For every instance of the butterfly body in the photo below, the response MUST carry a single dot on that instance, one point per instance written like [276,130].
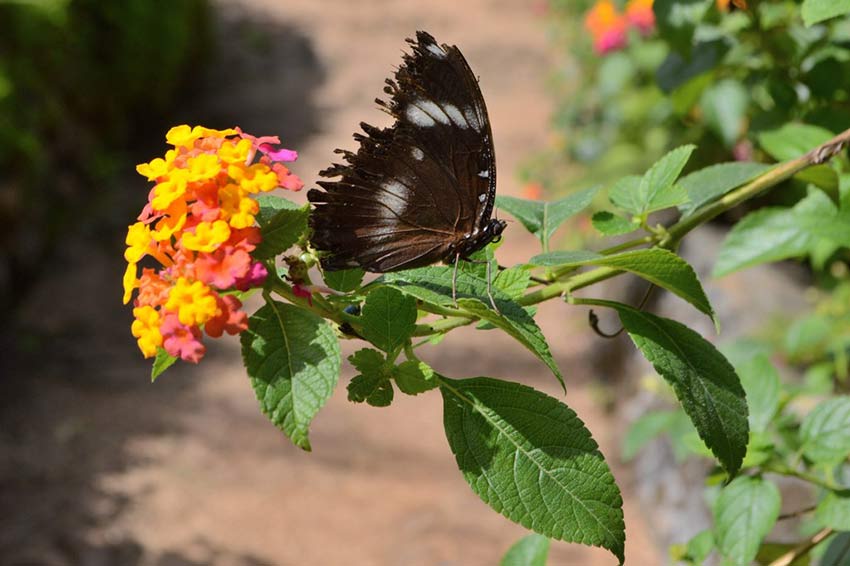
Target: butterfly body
[422,190]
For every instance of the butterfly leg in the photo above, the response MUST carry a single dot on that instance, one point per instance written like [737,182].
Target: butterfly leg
[454,281]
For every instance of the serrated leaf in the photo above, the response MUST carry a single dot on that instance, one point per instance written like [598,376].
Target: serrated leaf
[709,184]
[773,234]
[724,106]
[414,377]
[281,232]
[513,281]
[161,362]
[703,380]
[551,479]
[530,550]
[292,358]
[345,280]
[825,431]
[624,193]
[434,285]
[815,11]
[663,268]
[833,511]
[270,205]
[657,190]
[792,140]
[761,383]
[372,384]
[543,218]
[744,514]
[838,551]
[388,318]
[610,224]
[520,326]
[656,265]
[644,430]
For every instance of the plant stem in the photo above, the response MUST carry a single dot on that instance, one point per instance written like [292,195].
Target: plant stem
[802,549]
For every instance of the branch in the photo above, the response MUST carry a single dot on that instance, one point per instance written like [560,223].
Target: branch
[802,549]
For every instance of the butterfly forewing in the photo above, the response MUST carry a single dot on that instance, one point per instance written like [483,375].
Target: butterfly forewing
[419,191]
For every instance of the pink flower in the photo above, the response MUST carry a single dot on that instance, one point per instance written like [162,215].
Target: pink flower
[180,340]
[223,267]
[279,155]
[231,320]
[640,15]
[607,26]
[255,277]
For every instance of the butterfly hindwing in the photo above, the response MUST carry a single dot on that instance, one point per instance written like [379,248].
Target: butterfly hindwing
[420,190]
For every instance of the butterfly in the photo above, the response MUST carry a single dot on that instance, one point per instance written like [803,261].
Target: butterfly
[422,190]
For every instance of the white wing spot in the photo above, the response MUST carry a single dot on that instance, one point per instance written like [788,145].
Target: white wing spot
[456,116]
[433,110]
[417,154]
[472,118]
[436,51]
[482,197]
[394,196]
[418,117]
[484,174]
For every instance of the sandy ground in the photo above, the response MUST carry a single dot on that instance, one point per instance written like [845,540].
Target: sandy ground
[98,467]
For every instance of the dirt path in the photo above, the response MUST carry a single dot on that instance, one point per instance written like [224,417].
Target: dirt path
[188,472]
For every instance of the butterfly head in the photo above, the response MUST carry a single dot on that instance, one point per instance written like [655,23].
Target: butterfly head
[491,232]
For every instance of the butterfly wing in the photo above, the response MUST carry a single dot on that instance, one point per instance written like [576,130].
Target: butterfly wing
[415,192]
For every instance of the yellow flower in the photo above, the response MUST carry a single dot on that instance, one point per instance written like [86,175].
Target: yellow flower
[157,168]
[193,302]
[182,136]
[130,281]
[146,329]
[254,178]
[208,236]
[209,132]
[203,166]
[236,207]
[173,221]
[166,192]
[230,152]
[138,242]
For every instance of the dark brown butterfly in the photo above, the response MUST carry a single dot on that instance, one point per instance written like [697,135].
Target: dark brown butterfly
[422,190]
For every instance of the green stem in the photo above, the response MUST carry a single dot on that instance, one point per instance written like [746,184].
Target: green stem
[784,470]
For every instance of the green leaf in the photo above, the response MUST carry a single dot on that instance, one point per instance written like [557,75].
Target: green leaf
[792,140]
[161,362]
[645,429]
[563,258]
[270,205]
[656,189]
[702,379]
[543,218]
[815,11]
[656,265]
[744,513]
[663,268]
[434,285]
[773,234]
[709,184]
[513,281]
[825,431]
[292,357]
[520,326]
[389,318]
[833,511]
[838,551]
[345,280]
[761,383]
[678,70]
[677,20]
[700,546]
[551,479]
[610,224]
[825,178]
[281,231]
[372,385]
[724,106]
[414,377]
[530,550]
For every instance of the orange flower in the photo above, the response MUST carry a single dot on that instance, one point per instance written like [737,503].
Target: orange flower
[607,26]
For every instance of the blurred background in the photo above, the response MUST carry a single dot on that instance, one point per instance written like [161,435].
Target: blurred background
[100,467]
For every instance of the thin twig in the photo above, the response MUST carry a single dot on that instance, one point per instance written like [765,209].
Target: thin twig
[802,549]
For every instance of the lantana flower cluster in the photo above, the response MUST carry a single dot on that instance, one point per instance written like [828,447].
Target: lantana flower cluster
[199,226]
[609,27]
